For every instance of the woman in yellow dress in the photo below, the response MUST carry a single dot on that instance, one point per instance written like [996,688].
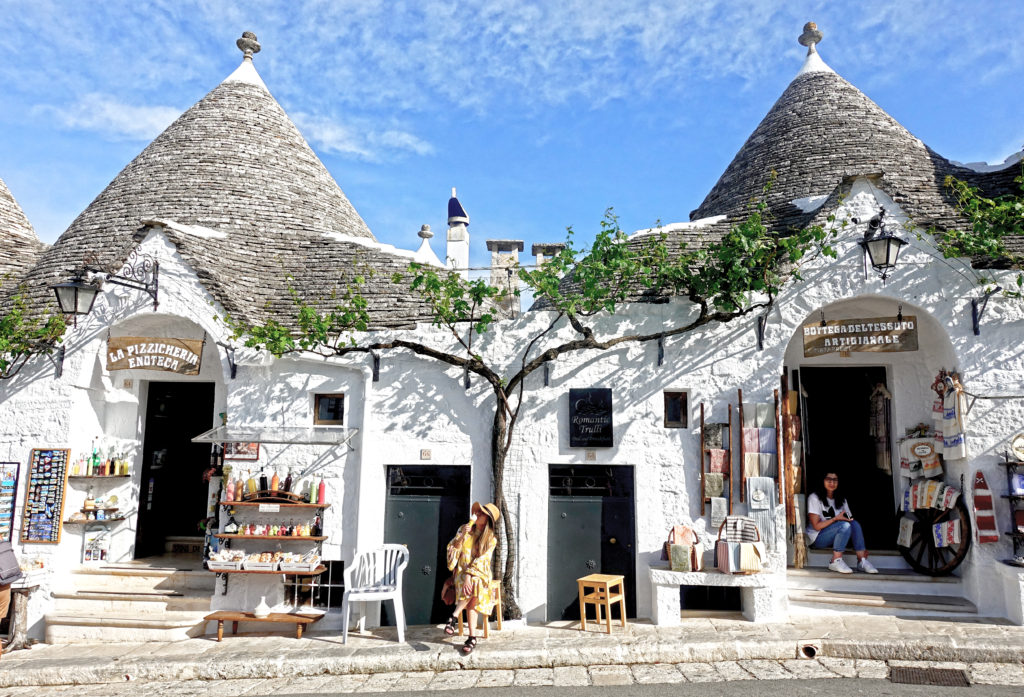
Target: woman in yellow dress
[469,557]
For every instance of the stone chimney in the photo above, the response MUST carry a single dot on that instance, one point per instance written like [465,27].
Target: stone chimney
[457,252]
[504,272]
[543,252]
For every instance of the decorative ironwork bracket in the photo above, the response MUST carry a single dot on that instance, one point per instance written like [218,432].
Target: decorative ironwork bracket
[978,309]
[376,365]
[661,350]
[58,362]
[139,272]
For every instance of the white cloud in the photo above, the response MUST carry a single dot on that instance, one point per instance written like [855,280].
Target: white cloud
[361,138]
[112,118]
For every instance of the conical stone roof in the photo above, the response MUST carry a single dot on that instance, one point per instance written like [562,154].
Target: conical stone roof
[19,246]
[823,129]
[236,168]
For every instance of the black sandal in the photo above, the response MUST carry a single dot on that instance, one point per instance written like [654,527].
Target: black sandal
[470,644]
[449,626]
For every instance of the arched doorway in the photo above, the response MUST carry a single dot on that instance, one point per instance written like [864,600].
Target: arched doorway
[864,377]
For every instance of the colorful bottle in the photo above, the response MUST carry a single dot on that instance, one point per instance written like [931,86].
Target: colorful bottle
[317,527]
[264,484]
[229,489]
[321,493]
[287,486]
[275,482]
[251,484]
[95,460]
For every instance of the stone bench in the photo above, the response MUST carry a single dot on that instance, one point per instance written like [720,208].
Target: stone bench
[222,616]
[762,595]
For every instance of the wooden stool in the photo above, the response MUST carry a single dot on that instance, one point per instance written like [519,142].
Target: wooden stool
[221,616]
[495,593]
[604,591]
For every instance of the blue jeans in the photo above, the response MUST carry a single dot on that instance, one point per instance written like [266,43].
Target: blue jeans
[837,535]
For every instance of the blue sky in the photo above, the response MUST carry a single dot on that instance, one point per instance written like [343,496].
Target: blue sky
[541,113]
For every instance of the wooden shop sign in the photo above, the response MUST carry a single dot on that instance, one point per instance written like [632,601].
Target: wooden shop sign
[875,334]
[590,418]
[154,353]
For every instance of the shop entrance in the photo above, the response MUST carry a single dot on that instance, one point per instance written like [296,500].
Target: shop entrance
[424,508]
[172,493]
[591,521]
[837,431]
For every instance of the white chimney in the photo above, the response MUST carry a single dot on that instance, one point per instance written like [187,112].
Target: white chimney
[457,252]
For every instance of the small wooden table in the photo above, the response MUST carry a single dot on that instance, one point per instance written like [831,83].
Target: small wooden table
[233,616]
[602,590]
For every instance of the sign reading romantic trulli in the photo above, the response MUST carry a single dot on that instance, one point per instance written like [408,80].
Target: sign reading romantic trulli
[139,352]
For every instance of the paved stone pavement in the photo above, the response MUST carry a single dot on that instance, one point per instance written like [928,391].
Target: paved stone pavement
[710,649]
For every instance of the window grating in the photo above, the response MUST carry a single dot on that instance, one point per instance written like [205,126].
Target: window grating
[323,591]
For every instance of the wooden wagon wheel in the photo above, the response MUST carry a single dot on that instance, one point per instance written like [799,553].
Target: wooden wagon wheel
[922,554]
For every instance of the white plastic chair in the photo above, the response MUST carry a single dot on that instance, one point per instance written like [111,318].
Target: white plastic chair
[375,575]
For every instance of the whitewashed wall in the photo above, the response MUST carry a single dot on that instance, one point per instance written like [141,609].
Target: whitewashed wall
[417,405]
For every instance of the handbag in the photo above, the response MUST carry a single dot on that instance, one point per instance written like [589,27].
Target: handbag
[678,535]
[733,555]
[448,591]
[10,571]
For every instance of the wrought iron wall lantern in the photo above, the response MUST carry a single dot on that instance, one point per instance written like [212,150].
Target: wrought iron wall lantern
[77,296]
[881,247]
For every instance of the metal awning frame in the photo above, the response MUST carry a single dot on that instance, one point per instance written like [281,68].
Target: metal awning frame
[278,435]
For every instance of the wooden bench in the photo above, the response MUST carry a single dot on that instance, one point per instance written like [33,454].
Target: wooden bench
[234,616]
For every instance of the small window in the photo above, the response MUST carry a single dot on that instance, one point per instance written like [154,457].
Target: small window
[675,410]
[329,410]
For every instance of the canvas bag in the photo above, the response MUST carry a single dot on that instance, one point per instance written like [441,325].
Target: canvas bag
[686,557]
[10,571]
[678,535]
[739,548]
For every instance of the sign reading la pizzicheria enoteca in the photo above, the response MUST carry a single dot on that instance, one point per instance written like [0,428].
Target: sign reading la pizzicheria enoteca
[876,334]
[180,356]
[590,418]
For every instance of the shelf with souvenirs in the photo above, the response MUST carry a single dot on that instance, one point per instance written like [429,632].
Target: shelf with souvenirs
[96,465]
[716,468]
[1013,461]
[258,501]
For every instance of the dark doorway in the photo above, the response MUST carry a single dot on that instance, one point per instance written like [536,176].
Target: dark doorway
[837,425]
[591,530]
[172,495]
[424,508]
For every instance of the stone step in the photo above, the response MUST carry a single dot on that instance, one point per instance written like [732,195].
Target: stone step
[128,578]
[878,602]
[76,628]
[882,559]
[143,603]
[902,581]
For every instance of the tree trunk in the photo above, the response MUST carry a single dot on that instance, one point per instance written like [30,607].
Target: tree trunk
[506,543]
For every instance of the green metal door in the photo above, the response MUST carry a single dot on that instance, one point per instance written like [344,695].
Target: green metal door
[423,509]
[591,529]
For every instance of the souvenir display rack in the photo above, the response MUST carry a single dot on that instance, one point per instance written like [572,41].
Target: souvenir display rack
[8,492]
[44,496]
[1016,501]
[272,501]
[705,456]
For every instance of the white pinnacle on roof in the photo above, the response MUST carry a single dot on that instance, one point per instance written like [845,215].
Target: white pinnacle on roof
[246,72]
[813,63]
[426,255]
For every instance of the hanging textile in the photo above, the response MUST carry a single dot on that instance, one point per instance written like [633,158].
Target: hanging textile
[719,511]
[954,437]
[751,440]
[878,427]
[713,436]
[761,501]
[751,465]
[767,465]
[765,415]
[714,484]
[719,460]
[766,439]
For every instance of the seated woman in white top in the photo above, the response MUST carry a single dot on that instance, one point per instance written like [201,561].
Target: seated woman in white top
[831,524]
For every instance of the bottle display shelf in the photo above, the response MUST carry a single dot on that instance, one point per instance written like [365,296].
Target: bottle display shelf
[104,521]
[286,538]
[99,476]
[282,504]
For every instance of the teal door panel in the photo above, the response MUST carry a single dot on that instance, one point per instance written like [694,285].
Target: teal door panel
[591,529]
[423,509]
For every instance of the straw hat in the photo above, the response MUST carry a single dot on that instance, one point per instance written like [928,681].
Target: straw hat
[488,509]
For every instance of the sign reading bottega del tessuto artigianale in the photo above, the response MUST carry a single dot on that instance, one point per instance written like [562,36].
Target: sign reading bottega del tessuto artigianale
[876,334]
[180,356]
